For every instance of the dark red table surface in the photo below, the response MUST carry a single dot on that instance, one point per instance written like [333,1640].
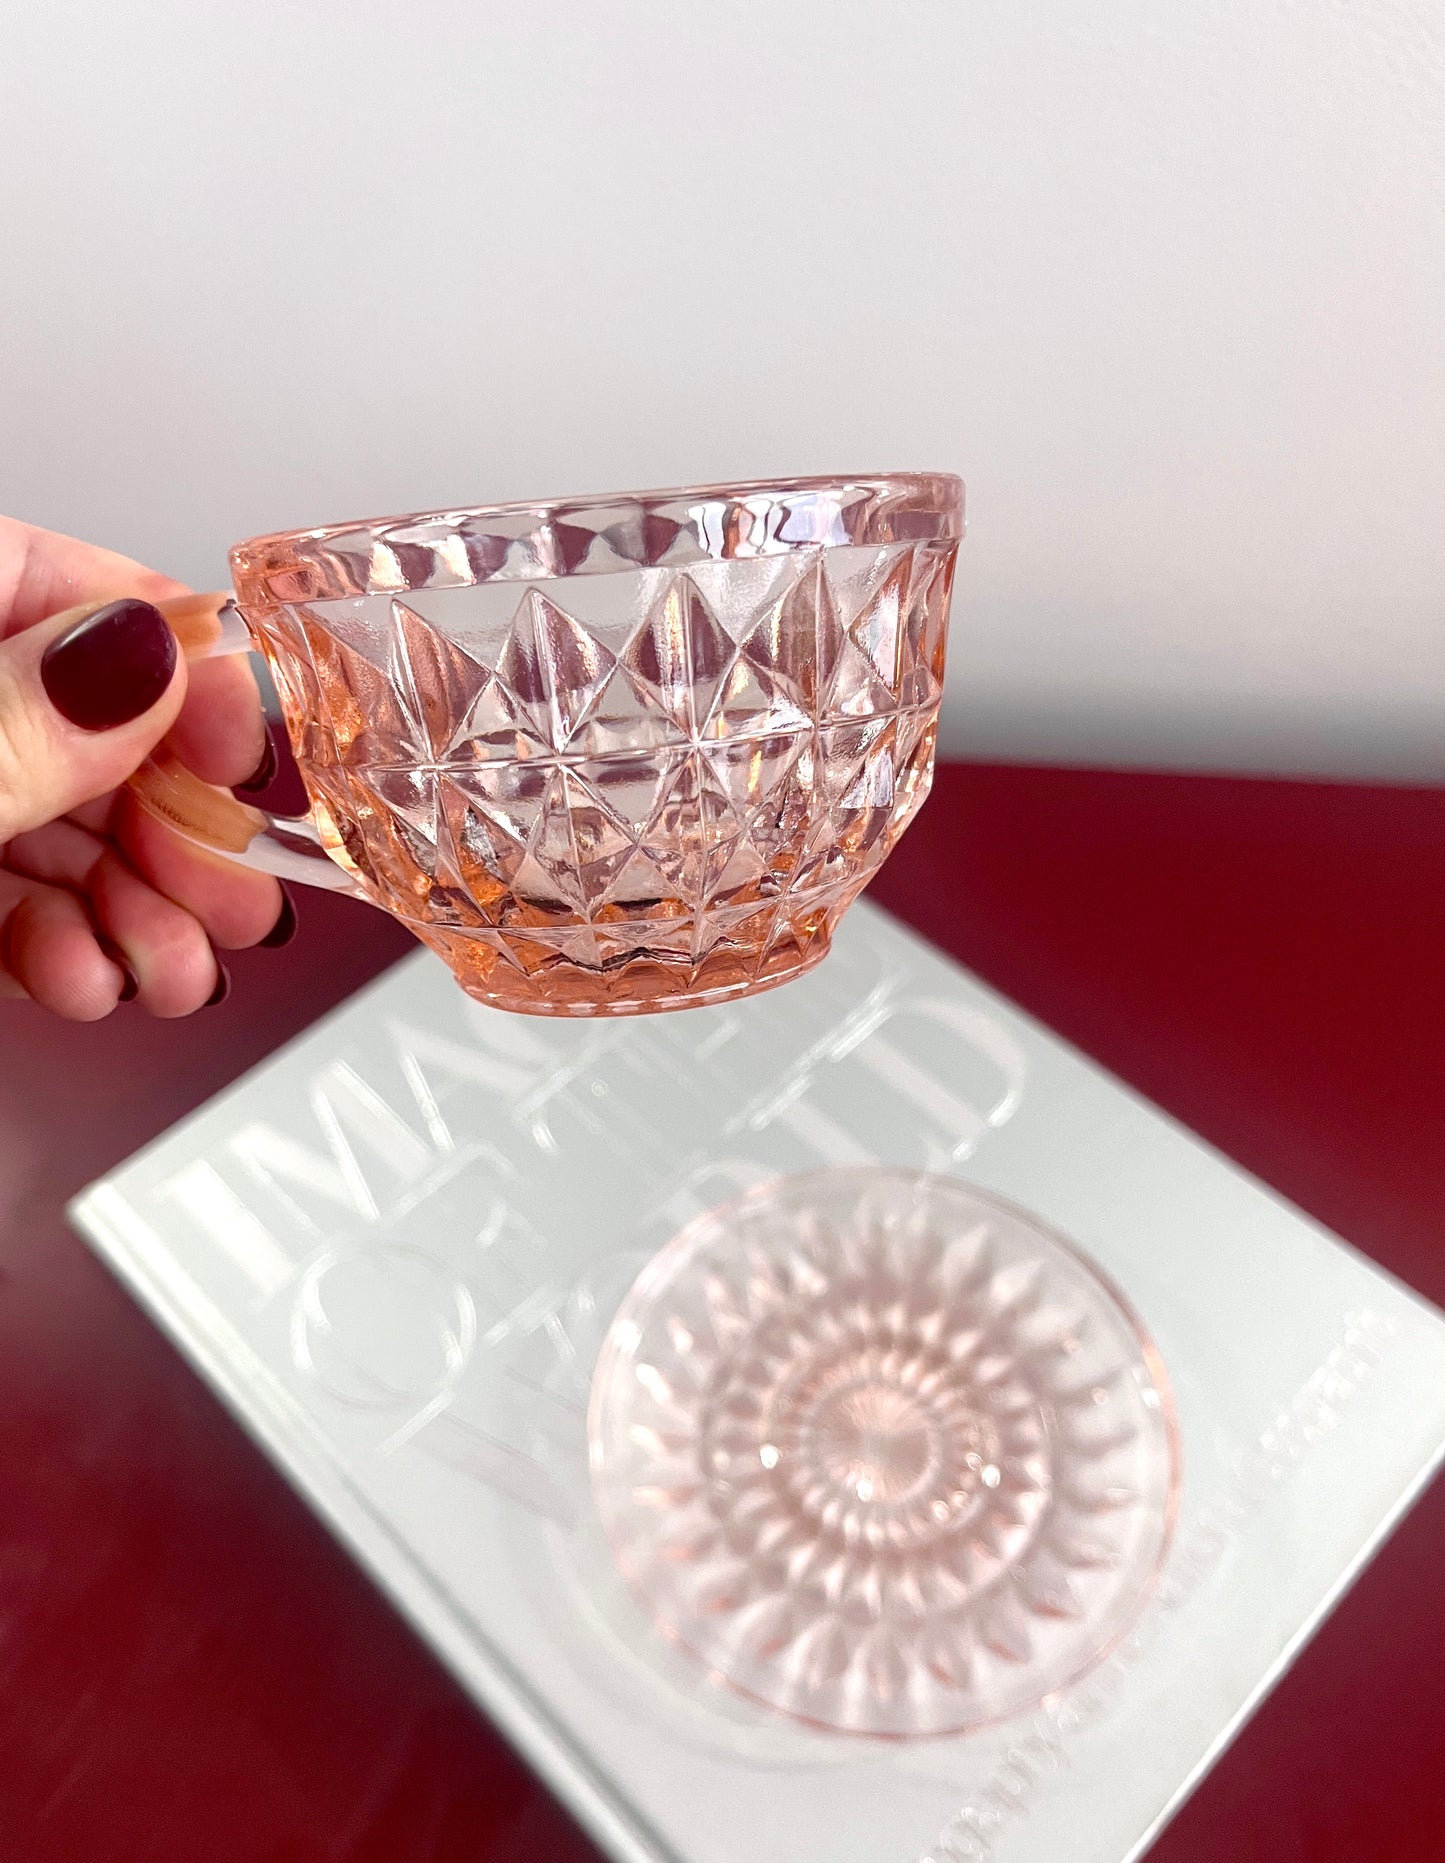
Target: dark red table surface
[191,1671]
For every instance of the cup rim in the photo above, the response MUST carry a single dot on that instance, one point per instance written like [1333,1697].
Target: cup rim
[542,539]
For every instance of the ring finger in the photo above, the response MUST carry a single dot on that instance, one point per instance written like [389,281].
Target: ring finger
[49,952]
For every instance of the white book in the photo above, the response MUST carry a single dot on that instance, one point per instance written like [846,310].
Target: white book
[394,1249]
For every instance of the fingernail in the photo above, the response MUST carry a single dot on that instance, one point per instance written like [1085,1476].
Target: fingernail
[284,930]
[130,987]
[222,989]
[264,772]
[110,667]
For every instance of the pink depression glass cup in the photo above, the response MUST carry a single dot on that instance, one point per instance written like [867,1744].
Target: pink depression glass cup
[604,756]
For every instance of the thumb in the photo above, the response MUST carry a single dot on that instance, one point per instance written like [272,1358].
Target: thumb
[83,698]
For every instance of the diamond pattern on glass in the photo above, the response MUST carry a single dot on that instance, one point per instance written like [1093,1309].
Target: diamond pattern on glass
[882,1452]
[647,788]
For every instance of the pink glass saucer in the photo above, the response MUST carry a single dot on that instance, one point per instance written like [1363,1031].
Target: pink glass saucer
[883,1452]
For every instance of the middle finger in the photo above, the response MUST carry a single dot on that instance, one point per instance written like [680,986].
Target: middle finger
[165,946]
[238,907]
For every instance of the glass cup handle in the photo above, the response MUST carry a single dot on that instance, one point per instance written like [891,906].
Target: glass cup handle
[291,848]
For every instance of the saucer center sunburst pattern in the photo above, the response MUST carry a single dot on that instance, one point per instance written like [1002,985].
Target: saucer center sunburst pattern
[883,1453]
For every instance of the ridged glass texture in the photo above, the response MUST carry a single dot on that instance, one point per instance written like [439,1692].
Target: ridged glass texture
[617,755]
[883,1453]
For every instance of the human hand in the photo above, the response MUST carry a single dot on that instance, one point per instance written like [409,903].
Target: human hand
[99,901]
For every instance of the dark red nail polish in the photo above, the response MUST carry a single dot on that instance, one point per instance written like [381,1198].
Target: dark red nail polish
[222,989]
[264,773]
[130,987]
[110,667]
[284,930]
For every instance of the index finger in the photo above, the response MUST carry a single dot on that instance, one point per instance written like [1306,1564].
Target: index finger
[221,731]
[43,573]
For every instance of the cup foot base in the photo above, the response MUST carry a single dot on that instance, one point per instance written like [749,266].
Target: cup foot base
[643,987]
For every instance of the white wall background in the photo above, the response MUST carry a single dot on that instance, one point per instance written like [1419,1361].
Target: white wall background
[1166,282]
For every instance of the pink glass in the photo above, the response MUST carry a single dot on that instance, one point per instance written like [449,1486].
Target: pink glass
[609,755]
[883,1452]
